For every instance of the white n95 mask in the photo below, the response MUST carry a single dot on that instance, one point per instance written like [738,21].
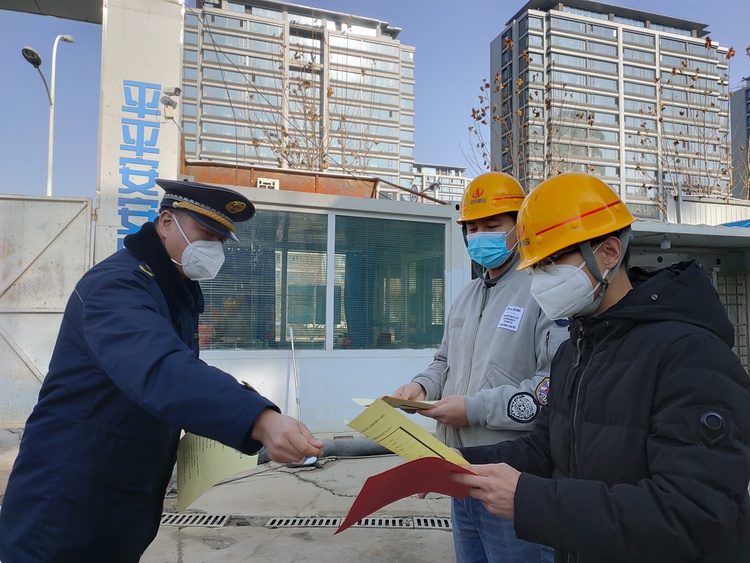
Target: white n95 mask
[564,291]
[202,259]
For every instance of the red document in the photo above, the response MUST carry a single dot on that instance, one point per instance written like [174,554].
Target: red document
[427,474]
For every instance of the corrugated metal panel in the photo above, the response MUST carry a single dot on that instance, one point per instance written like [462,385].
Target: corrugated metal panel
[46,249]
[704,211]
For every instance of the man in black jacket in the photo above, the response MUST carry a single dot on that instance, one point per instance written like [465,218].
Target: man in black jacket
[643,451]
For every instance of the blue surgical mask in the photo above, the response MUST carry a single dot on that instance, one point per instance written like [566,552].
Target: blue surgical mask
[489,249]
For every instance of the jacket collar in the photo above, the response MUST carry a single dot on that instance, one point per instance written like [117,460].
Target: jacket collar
[181,294]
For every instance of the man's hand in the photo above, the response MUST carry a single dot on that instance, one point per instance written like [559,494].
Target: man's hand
[286,439]
[410,392]
[450,410]
[494,485]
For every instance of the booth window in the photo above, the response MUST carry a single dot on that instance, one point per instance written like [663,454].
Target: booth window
[388,284]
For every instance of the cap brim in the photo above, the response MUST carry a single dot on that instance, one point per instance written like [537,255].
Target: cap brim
[212,225]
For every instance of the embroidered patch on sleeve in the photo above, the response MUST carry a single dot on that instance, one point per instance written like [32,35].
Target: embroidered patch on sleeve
[541,391]
[522,407]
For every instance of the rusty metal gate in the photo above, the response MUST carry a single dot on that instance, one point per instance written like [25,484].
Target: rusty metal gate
[45,249]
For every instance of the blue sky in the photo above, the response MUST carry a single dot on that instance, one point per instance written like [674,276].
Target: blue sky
[452,41]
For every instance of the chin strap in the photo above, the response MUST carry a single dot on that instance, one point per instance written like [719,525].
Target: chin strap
[588,256]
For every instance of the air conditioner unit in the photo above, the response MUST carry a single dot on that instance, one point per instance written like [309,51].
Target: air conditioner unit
[267,183]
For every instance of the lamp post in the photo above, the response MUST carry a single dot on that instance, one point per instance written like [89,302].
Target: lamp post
[36,61]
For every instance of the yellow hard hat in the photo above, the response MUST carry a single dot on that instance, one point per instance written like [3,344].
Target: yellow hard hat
[490,194]
[566,210]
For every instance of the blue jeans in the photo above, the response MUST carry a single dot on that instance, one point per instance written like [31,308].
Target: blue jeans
[481,537]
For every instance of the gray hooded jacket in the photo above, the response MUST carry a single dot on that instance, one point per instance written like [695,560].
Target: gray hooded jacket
[496,351]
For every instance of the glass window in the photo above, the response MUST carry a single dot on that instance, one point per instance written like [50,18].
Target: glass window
[535,40]
[603,66]
[637,55]
[629,21]
[638,38]
[387,292]
[251,305]
[535,23]
[603,83]
[670,29]
[587,13]
[639,72]
[392,290]
[568,25]
[640,89]
[407,103]
[672,44]
[602,31]
[257,11]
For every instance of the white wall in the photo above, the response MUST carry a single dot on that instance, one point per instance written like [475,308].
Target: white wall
[328,380]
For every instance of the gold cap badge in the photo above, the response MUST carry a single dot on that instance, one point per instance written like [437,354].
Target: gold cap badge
[236,206]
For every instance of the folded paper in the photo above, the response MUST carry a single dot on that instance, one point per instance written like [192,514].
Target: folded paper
[401,435]
[424,475]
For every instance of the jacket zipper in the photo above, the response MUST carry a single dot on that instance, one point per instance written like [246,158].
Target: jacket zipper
[580,345]
[485,294]
[577,399]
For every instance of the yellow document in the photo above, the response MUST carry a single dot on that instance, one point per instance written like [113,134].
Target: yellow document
[201,463]
[397,403]
[396,432]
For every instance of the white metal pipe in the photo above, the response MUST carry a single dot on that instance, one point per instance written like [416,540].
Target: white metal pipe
[66,39]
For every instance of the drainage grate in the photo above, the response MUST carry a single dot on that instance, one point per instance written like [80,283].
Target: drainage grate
[385,523]
[309,522]
[409,522]
[422,523]
[194,519]
[219,520]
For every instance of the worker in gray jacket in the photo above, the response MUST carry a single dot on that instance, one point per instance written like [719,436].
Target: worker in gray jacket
[491,371]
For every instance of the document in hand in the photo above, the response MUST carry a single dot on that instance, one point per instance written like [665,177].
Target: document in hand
[428,474]
[201,463]
[397,403]
[397,432]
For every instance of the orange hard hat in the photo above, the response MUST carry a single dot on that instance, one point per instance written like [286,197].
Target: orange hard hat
[490,194]
[565,210]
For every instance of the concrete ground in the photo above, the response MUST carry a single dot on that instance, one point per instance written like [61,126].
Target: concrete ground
[272,493]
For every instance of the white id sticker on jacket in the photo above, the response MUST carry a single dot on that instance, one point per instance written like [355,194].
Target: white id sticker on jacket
[511,318]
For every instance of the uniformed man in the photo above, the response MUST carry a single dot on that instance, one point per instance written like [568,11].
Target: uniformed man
[125,378]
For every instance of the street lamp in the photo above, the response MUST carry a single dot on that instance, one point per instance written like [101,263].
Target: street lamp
[36,61]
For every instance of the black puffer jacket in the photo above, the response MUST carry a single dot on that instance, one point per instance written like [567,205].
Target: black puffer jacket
[643,453]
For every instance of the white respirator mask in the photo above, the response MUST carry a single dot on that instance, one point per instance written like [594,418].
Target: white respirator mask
[202,259]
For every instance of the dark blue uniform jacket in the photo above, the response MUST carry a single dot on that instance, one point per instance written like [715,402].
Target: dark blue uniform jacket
[124,379]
